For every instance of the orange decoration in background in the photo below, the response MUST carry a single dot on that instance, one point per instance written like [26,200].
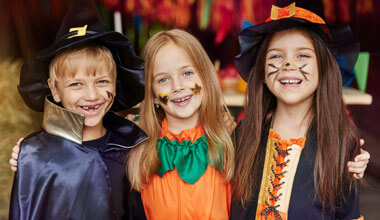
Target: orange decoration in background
[222,18]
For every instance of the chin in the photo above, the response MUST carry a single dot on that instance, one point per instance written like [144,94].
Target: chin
[92,122]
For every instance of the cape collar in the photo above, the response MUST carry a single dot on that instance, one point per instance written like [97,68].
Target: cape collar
[69,125]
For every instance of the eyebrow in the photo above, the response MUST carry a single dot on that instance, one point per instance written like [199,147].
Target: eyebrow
[273,49]
[298,49]
[156,75]
[186,66]
[305,48]
[181,68]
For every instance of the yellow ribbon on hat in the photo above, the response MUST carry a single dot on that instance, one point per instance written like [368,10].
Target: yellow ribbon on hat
[81,31]
[276,9]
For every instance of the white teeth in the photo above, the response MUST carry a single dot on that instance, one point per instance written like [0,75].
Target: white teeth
[91,108]
[181,100]
[290,81]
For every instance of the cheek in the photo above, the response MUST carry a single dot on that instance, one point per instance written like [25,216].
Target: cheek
[157,89]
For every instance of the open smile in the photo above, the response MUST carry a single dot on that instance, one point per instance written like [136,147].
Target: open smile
[288,82]
[90,109]
[182,101]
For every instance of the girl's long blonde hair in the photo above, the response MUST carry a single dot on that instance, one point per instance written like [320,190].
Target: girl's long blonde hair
[143,160]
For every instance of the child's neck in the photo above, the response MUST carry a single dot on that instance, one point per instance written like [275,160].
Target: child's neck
[292,121]
[93,132]
[176,125]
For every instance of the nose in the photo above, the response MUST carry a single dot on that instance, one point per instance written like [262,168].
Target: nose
[92,93]
[177,85]
[288,64]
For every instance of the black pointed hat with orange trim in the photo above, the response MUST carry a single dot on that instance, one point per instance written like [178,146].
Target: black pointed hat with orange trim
[285,15]
[83,25]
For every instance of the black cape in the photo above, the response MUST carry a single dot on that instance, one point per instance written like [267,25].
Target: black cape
[60,179]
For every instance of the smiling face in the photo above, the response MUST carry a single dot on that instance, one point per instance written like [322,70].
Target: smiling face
[89,91]
[291,67]
[177,86]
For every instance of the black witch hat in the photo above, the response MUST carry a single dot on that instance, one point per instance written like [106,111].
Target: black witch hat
[83,25]
[285,15]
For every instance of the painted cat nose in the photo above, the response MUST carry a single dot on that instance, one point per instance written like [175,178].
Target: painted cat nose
[288,66]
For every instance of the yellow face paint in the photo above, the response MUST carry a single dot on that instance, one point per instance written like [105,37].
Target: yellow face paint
[164,97]
[196,89]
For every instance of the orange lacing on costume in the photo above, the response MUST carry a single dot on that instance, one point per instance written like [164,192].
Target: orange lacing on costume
[282,148]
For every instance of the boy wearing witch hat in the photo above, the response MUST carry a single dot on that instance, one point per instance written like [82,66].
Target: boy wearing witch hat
[74,167]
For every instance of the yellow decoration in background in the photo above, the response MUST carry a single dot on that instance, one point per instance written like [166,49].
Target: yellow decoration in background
[241,86]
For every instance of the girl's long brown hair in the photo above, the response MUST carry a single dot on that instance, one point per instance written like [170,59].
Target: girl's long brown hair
[337,136]
[143,160]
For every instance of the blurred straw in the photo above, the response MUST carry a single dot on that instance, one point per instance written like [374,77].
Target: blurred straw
[16,120]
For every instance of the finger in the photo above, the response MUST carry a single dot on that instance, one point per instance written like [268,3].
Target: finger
[19,141]
[14,155]
[358,176]
[357,170]
[358,164]
[16,149]
[362,142]
[14,169]
[364,155]
[13,162]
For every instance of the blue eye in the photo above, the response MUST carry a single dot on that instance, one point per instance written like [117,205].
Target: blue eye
[188,73]
[276,56]
[76,84]
[163,80]
[104,81]
[304,56]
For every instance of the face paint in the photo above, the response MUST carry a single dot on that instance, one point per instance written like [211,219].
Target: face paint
[303,72]
[196,89]
[110,96]
[275,71]
[164,97]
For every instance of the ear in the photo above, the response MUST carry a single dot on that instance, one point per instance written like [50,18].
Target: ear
[54,90]
[155,100]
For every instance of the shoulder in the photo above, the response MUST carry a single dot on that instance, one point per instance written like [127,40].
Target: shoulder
[124,133]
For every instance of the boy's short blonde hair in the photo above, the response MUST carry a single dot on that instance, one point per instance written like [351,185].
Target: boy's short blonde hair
[94,57]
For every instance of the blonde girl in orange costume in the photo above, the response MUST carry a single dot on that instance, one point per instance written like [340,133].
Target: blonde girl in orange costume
[183,170]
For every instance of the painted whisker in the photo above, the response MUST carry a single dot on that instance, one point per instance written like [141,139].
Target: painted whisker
[303,72]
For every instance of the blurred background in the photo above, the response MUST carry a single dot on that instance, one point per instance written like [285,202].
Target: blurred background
[28,26]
